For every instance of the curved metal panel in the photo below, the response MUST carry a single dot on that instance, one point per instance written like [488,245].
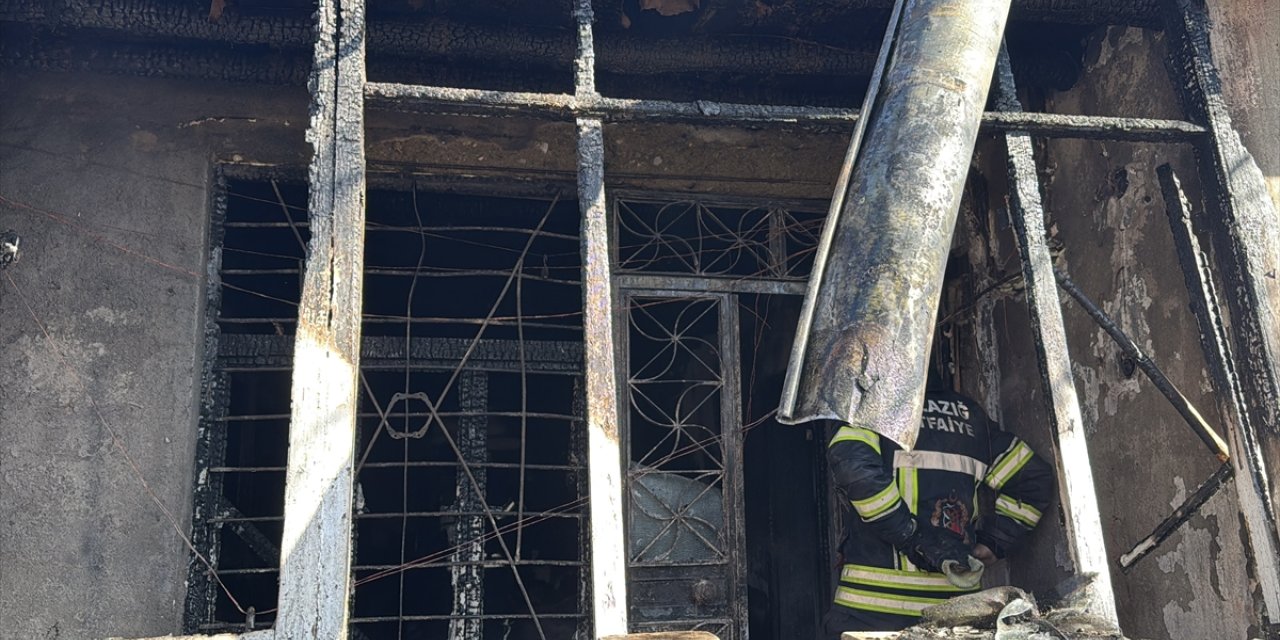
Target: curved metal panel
[862,348]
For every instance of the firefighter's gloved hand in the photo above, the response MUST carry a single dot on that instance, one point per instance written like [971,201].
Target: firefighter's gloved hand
[930,546]
[964,576]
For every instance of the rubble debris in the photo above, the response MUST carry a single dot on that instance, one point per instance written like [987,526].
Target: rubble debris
[1009,613]
[669,7]
[979,609]
[9,252]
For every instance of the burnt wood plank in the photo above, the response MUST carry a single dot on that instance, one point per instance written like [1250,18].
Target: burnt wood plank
[1075,474]
[1250,466]
[316,548]
[604,454]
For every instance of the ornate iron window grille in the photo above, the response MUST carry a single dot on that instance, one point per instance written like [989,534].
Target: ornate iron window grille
[438,470]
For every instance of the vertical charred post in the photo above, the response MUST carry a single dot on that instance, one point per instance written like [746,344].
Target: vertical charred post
[608,584]
[1242,221]
[316,547]
[1077,491]
[1251,475]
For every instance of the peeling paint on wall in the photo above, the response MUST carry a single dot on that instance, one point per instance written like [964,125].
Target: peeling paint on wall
[1217,604]
[1105,200]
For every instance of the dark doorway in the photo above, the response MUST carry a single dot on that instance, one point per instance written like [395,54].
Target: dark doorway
[788,576]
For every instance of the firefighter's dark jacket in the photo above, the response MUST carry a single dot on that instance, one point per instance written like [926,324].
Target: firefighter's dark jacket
[936,484]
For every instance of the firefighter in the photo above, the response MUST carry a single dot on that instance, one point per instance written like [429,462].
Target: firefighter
[914,511]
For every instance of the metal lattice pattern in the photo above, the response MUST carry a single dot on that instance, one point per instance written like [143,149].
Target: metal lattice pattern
[468,515]
[684,452]
[677,468]
[693,237]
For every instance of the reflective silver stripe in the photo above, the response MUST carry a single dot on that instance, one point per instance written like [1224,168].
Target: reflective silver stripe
[940,461]
[880,577]
[857,434]
[879,505]
[1020,511]
[907,485]
[884,602]
[1009,464]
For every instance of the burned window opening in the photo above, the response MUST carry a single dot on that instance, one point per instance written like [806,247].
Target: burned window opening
[426,562]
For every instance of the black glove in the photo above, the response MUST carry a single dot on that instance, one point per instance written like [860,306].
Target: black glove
[930,546]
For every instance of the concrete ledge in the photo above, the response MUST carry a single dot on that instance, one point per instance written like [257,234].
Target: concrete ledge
[266,634]
[220,636]
[666,635]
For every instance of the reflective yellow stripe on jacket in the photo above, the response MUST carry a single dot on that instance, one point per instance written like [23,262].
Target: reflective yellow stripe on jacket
[857,434]
[884,602]
[856,574]
[879,505]
[885,586]
[1008,464]
[1019,511]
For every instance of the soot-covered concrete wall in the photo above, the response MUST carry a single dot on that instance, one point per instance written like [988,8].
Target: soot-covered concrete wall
[108,180]
[1105,203]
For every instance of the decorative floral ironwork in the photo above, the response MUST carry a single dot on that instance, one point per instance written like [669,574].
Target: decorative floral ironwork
[677,471]
[698,238]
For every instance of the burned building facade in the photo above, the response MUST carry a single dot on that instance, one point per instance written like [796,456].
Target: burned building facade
[433,319]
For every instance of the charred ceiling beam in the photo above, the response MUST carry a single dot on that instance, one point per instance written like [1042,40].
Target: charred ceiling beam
[28,49]
[733,15]
[159,61]
[480,102]
[32,48]
[451,40]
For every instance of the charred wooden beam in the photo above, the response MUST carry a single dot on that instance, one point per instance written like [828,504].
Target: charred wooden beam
[316,547]
[451,41]
[862,346]
[1084,12]
[401,97]
[45,53]
[1207,434]
[735,15]
[1244,224]
[41,52]
[1185,511]
[1053,125]
[1251,475]
[1076,488]
[704,284]
[609,551]
[1245,217]
[481,102]
[37,49]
